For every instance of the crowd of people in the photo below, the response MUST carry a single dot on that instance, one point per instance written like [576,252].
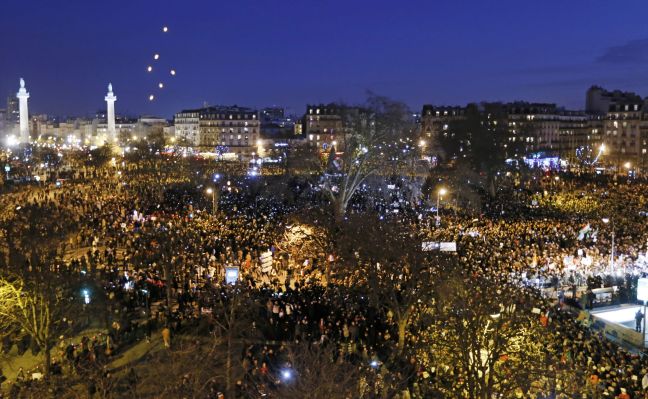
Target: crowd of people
[159,253]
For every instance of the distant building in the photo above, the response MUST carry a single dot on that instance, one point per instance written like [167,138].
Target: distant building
[624,125]
[532,128]
[235,129]
[230,128]
[324,125]
[275,124]
[542,127]
[298,128]
[187,126]
[625,131]
[435,123]
[3,121]
[13,114]
[599,101]
[272,114]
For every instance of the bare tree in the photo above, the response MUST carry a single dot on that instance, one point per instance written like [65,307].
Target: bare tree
[485,329]
[233,314]
[187,371]
[316,371]
[40,306]
[374,138]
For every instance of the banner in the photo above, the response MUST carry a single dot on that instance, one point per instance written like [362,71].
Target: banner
[430,246]
[450,246]
[266,262]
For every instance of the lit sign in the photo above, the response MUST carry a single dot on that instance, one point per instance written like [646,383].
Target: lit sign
[642,289]
[231,275]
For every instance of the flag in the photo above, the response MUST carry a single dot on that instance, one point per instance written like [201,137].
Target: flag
[586,229]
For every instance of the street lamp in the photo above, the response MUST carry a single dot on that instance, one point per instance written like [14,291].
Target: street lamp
[441,192]
[213,194]
[601,151]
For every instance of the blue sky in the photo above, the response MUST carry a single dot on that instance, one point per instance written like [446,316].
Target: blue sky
[290,53]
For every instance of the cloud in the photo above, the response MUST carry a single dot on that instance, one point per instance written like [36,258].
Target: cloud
[632,52]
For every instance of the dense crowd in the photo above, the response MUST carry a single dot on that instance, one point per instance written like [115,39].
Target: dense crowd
[159,253]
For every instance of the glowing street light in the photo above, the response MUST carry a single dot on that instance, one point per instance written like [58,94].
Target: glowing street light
[602,149]
[286,374]
[627,165]
[441,192]
[212,192]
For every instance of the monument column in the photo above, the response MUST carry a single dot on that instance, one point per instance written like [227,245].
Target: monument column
[110,113]
[24,112]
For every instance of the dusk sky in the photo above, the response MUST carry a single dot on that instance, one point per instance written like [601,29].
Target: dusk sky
[290,53]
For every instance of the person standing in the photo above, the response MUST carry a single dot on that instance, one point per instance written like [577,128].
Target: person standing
[166,336]
[638,318]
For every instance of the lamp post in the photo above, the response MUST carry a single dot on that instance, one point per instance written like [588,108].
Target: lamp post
[628,167]
[441,192]
[213,194]
[600,152]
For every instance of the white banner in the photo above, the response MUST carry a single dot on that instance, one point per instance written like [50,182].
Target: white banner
[448,246]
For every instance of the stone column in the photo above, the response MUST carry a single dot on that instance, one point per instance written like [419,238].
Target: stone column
[23,95]
[110,114]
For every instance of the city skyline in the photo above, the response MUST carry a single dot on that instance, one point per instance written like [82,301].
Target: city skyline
[415,53]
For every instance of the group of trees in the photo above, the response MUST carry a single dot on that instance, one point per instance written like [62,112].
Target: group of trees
[36,300]
[478,331]
[481,140]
